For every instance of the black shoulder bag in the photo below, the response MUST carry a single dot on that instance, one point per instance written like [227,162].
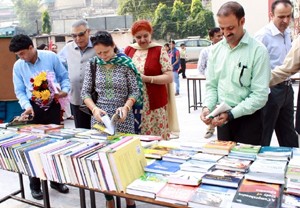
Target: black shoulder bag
[94,94]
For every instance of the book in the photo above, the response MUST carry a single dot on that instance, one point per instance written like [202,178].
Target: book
[221,108]
[244,151]
[223,178]
[275,153]
[44,128]
[212,196]
[207,157]
[178,155]
[185,178]
[290,201]
[196,165]
[127,162]
[257,194]
[163,167]
[147,185]
[156,151]
[218,147]
[176,194]
[227,163]
[148,138]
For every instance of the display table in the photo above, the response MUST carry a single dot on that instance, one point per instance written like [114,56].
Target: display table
[194,79]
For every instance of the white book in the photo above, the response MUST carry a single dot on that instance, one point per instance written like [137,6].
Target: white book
[221,108]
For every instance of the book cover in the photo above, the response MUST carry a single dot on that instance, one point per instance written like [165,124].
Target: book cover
[127,162]
[176,194]
[196,165]
[178,155]
[163,167]
[275,153]
[223,178]
[290,201]
[207,157]
[147,185]
[156,151]
[212,196]
[185,178]
[233,164]
[257,194]
[44,128]
[218,147]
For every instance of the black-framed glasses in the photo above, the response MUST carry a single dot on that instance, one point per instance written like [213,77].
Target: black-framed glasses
[80,34]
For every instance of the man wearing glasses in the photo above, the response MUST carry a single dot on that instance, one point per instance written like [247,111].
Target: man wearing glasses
[77,54]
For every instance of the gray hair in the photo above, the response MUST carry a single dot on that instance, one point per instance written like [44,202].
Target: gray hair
[80,22]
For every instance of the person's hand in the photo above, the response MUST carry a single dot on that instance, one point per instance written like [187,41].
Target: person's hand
[27,113]
[98,113]
[220,120]
[205,112]
[123,112]
[60,94]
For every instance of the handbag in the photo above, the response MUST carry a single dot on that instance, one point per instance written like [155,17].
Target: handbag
[94,94]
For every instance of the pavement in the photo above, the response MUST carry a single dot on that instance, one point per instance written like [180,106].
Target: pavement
[191,129]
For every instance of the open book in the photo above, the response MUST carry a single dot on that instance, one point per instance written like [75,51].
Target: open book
[223,107]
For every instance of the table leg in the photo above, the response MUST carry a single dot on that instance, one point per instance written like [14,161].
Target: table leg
[200,93]
[21,185]
[46,193]
[93,199]
[82,198]
[188,92]
[195,94]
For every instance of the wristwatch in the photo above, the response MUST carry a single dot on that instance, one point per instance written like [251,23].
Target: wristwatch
[230,116]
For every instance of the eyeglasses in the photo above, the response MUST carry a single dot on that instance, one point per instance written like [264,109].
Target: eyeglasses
[80,34]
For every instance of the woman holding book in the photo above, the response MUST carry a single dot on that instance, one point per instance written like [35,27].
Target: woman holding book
[117,84]
[159,116]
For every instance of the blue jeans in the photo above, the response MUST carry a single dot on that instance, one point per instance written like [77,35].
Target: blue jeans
[176,80]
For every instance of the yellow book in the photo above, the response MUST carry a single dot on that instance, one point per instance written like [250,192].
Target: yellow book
[127,162]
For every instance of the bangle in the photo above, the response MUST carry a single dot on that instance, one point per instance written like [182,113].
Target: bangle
[132,100]
[94,108]
[127,107]
[152,78]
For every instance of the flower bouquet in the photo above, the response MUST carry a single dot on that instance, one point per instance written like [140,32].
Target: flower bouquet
[42,91]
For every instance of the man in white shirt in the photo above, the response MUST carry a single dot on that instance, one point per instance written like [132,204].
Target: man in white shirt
[215,35]
[278,112]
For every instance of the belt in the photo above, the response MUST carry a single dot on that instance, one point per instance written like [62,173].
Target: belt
[286,82]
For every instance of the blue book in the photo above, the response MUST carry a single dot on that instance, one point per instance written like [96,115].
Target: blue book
[275,153]
[163,167]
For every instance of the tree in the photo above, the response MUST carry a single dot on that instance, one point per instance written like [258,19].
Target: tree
[27,13]
[178,17]
[162,22]
[143,9]
[199,21]
[46,24]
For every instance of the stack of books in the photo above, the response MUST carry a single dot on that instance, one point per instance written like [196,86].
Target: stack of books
[232,164]
[212,196]
[269,171]
[148,185]
[178,155]
[218,147]
[244,151]
[223,178]
[275,153]
[293,174]
[257,194]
